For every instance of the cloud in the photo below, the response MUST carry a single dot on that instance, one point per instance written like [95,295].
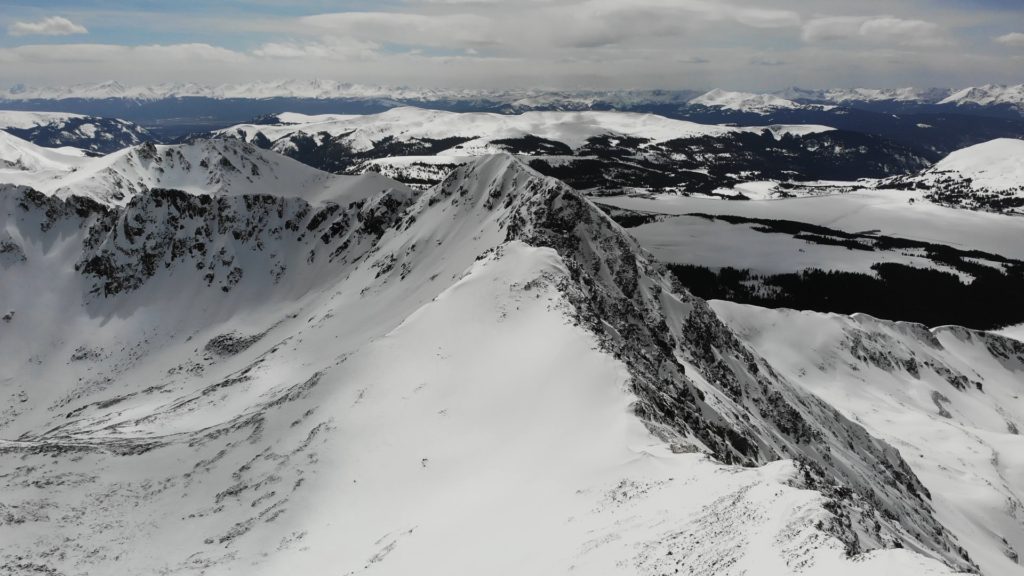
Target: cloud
[327,49]
[1013,39]
[887,30]
[52,26]
[404,28]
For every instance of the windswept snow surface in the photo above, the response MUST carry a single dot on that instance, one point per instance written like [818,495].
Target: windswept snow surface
[387,385]
[950,399]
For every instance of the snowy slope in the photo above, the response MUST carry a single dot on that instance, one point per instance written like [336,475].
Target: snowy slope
[484,377]
[19,158]
[997,165]
[987,176]
[950,399]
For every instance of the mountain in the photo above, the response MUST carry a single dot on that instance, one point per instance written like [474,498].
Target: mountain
[58,130]
[868,95]
[745,102]
[365,378]
[987,176]
[606,151]
[989,95]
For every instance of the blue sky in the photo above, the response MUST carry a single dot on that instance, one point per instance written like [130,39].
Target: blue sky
[752,44]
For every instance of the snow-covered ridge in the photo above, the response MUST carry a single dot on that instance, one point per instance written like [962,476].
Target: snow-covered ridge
[988,95]
[745,101]
[222,167]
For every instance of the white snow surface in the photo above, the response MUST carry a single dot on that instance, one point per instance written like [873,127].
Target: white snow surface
[968,453]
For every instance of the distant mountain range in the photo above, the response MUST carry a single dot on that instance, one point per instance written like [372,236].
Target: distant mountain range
[986,95]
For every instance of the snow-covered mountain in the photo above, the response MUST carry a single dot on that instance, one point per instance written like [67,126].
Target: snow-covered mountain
[57,130]
[605,150]
[362,378]
[745,102]
[988,176]
[989,95]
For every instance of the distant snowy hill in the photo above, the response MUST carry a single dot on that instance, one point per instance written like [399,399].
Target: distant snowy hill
[56,130]
[745,102]
[604,150]
[987,176]
[309,377]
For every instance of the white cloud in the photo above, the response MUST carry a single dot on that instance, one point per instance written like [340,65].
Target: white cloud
[404,28]
[1013,39]
[882,30]
[52,26]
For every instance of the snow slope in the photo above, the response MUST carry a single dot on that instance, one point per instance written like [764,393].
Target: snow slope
[19,158]
[997,165]
[951,400]
[485,377]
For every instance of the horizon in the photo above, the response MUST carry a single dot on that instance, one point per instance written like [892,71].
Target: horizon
[484,44]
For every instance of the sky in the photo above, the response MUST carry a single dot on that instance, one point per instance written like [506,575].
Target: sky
[565,44]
